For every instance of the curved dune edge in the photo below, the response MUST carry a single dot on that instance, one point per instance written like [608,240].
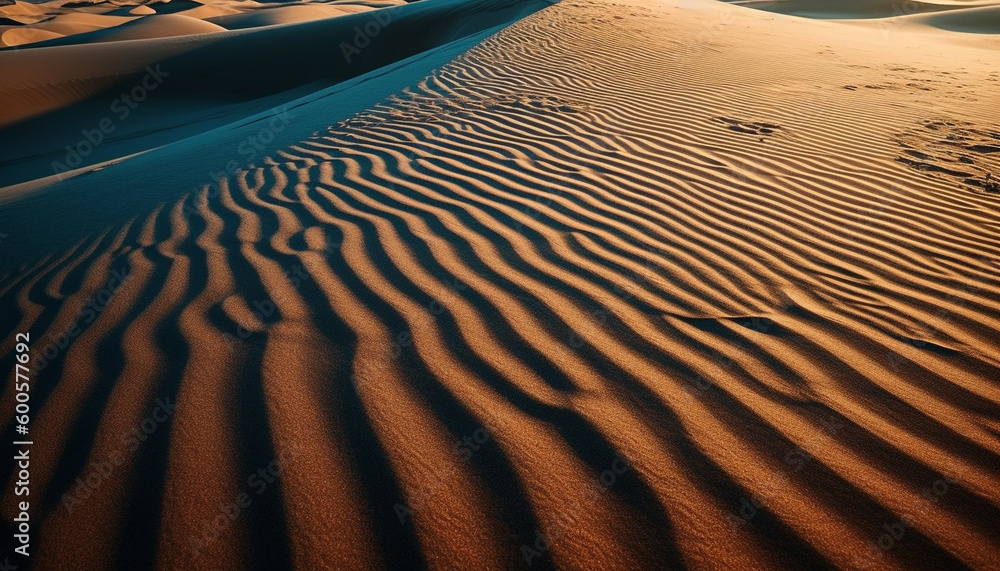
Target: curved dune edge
[611,312]
[887,9]
[979,20]
[62,92]
[81,23]
[167,25]
[16,36]
[293,13]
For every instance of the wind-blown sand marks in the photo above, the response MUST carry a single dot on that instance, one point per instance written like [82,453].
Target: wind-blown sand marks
[873,266]
[805,238]
[391,536]
[444,367]
[437,354]
[42,300]
[76,328]
[317,463]
[517,247]
[25,301]
[380,507]
[528,205]
[295,304]
[375,367]
[91,320]
[715,90]
[140,366]
[522,213]
[211,429]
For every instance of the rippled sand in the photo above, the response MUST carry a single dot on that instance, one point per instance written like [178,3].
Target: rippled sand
[622,285]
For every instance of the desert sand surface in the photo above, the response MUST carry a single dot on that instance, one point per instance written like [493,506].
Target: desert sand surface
[593,284]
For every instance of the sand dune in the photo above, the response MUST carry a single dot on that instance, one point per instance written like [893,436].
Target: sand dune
[25,12]
[980,20]
[163,26]
[62,25]
[79,24]
[294,13]
[16,36]
[969,16]
[849,9]
[581,294]
[62,92]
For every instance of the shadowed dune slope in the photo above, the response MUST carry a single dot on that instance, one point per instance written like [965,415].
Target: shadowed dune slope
[142,28]
[60,94]
[576,299]
[292,13]
[980,20]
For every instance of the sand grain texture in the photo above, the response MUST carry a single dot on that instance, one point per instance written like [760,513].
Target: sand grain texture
[625,285]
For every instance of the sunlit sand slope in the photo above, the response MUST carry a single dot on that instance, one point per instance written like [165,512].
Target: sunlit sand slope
[631,285]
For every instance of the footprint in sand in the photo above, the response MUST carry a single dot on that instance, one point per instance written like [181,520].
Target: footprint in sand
[759,128]
[959,150]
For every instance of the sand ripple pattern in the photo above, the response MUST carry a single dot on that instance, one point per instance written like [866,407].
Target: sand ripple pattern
[517,314]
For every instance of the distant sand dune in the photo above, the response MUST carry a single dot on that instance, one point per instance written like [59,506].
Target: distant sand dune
[690,314]
[860,8]
[56,90]
[16,36]
[971,16]
[163,26]
[981,20]
[81,23]
[289,14]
